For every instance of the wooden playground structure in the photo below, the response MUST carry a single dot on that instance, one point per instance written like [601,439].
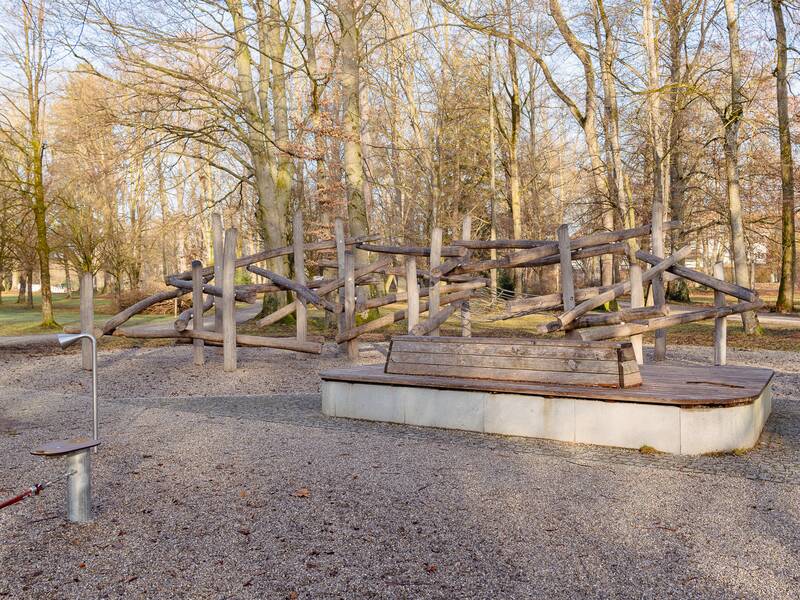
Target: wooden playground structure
[434,282]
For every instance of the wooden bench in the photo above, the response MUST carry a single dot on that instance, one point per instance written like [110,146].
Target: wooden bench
[557,361]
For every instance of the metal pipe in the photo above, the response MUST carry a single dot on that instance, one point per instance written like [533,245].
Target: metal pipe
[67,339]
[79,487]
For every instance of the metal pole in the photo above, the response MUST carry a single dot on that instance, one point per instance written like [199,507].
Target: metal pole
[94,387]
[79,487]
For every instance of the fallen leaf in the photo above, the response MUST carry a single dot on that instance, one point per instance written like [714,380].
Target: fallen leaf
[82,566]
[302,493]
[244,531]
[292,595]
[431,568]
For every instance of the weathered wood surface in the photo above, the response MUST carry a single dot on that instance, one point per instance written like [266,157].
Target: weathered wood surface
[637,302]
[435,321]
[218,247]
[627,329]
[198,354]
[661,384]
[527,306]
[434,291]
[720,323]
[247,293]
[287,284]
[466,317]
[624,315]
[122,316]
[300,277]
[552,364]
[276,252]
[228,302]
[279,343]
[565,268]
[447,251]
[502,244]
[412,287]
[324,287]
[714,283]
[182,322]
[578,254]
[617,290]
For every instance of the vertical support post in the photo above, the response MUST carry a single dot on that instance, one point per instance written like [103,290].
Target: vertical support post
[338,234]
[413,292]
[435,261]
[637,301]
[87,318]
[350,302]
[466,320]
[229,302]
[79,487]
[197,311]
[565,267]
[720,323]
[217,247]
[301,311]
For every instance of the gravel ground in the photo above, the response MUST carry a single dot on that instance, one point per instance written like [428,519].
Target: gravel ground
[235,486]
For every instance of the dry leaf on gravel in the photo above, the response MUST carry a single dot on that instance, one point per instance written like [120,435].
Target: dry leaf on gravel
[302,493]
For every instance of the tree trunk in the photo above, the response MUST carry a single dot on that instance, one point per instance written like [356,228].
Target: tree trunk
[785,302]
[732,117]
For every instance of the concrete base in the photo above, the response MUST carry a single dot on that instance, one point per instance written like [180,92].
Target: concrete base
[673,429]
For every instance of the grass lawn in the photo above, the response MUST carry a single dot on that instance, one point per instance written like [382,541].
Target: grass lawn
[18,319]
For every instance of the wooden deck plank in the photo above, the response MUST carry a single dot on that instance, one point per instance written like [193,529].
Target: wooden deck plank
[661,384]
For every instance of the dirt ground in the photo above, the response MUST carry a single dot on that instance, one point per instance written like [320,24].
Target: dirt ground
[213,485]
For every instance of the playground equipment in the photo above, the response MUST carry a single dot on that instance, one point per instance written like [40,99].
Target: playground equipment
[76,451]
[452,282]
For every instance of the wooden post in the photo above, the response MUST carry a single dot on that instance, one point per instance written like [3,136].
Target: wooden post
[413,292]
[217,248]
[565,270]
[87,318]
[720,323]
[301,312]
[338,233]
[435,261]
[350,302]
[229,302]
[466,322]
[197,310]
[637,301]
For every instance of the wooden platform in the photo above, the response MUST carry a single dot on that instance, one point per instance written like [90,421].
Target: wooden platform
[661,384]
[681,410]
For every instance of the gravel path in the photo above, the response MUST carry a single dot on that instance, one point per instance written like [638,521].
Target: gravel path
[235,486]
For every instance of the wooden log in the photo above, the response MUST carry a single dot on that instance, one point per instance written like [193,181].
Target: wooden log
[503,244]
[432,323]
[282,251]
[300,300]
[527,306]
[435,259]
[87,318]
[532,254]
[244,293]
[217,237]
[327,287]
[182,322]
[413,292]
[339,237]
[447,251]
[197,302]
[394,317]
[615,291]
[578,254]
[466,322]
[726,287]
[637,302]
[720,323]
[625,315]
[122,316]
[565,267]
[215,338]
[228,302]
[616,331]
[287,284]
[350,302]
